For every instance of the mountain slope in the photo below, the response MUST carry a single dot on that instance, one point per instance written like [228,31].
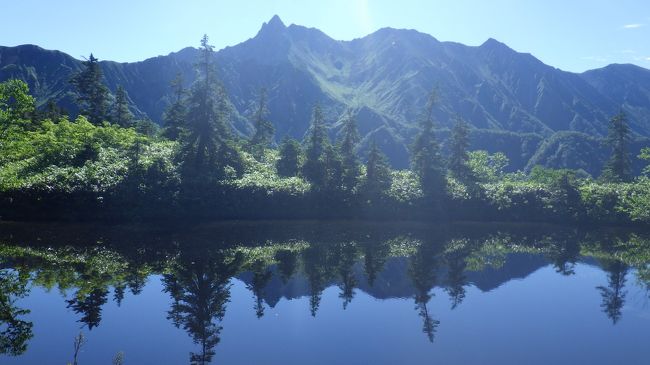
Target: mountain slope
[384,78]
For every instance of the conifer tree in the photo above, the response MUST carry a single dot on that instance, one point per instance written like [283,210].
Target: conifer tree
[426,159]
[92,94]
[347,145]
[206,146]
[289,162]
[459,157]
[378,175]
[263,127]
[315,167]
[619,166]
[121,115]
[175,115]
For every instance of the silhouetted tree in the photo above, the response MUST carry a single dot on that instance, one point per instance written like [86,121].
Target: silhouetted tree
[315,167]
[175,115]
[206,147]
[564,255]
[287,263]
[619,166]
[378,174]
[458,155]
[422,270]
[426,160]
[375,253]
[92,94]
[289,163]
[14,331]
[347,259]
[199,287]
[614,294]
[263,127]
[456,280]
[316,269]
[347,145]
[89,306]
[261,277]
[120,113]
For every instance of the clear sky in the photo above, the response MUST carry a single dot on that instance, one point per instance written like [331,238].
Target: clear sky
[574,35]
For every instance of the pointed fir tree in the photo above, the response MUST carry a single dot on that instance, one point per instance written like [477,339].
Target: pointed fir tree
[347,145]
[289,163]
[378,174]
[263,127]
[459,156]
[619,166]
[315,167]
[426,160]
[92,94]
[175,116]
[207,148]
[120,113]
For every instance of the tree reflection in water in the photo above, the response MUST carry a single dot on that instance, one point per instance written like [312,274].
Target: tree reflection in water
[14,331]
[410,263]
[200,289]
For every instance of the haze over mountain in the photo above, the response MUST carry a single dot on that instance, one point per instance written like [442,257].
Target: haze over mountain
[535,113]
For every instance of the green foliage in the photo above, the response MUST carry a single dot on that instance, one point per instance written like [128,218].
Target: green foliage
[16,105]
[487,167]
[405,187]
[80,169]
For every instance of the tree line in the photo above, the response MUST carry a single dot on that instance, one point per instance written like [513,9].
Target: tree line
[205,152]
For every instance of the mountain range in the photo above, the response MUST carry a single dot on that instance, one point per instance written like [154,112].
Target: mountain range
[533,112]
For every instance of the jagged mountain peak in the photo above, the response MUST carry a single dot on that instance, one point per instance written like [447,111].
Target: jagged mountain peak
[274,25]
[493,44]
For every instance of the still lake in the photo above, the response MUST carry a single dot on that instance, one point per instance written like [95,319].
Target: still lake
[324,293]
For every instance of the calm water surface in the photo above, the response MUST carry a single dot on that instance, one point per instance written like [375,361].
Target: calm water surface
[324,293]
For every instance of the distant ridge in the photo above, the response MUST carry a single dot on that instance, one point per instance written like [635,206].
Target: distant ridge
[384,77]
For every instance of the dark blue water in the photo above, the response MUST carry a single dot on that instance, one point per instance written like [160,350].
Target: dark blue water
[504,300]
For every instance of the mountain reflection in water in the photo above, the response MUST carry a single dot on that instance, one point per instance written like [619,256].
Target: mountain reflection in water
[92,267]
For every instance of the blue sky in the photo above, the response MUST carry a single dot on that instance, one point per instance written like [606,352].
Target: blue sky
[574,35]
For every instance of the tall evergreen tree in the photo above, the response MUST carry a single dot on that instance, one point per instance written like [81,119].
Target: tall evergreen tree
[378,175]
[347,144]
[289,162]
[206,145]
[619,166]
[92,94]
[459,157]
[426,159]
[263,127]
[175,115]
[120,113]
[315,167]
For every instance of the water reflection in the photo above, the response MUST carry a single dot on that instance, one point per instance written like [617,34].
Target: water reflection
[14,331]
[199,286]
[385,261]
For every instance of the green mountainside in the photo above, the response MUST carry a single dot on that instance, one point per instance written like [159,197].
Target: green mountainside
[534,113]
